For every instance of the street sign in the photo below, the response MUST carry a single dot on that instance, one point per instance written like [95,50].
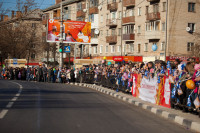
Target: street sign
[67,49]
[15,61]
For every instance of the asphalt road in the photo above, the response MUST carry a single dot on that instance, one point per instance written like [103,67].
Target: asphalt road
[60,108]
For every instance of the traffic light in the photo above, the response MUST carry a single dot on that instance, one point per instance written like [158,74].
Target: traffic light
[60,48]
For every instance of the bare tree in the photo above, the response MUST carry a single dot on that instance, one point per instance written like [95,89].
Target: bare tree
[196,47]
[2,10]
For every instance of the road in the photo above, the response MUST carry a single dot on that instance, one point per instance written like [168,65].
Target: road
[60,108]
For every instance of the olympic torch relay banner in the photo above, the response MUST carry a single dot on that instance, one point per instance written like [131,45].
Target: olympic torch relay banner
[73,31]
[149,90]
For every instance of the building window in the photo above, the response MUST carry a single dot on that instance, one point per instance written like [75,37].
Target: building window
[192,27]
[191,7]
[163,26]
[162,46]
[33,56]
[119,49]
[94,3]
[101,49]
[93,35]
[164,6]
[106,32]
[113,49]
[119,32]
[86,49]
[139,29]
[157,24]
[147,9]
[106,49]
[101,32]
[33,25]
[113,15]
[139,11]
[190,45]
[139,45]
[90,49]
[113,32]
[155,8]
[131,47]
[146,47]
[91,18]
[101,18]
[120,15]
[95,49]
[123,48]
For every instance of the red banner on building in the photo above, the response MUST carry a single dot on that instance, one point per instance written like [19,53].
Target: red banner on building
[73,31]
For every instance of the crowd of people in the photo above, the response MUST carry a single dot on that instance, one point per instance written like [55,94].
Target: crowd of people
[179,71]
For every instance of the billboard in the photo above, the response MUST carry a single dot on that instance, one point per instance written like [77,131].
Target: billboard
[73,31]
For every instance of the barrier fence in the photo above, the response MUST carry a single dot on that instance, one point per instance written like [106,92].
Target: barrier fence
[149,89]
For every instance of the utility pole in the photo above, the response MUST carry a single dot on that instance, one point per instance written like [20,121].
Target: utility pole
[61,35]
[121,26]
[166,31]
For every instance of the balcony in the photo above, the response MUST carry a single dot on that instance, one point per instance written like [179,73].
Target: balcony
[153,35]
[80,13]
[153,16]
[111,22]
[112,6]
[111,39]
[44,21]
[128,3]
[129,37]
[130,19]
[153,0]
[93,10]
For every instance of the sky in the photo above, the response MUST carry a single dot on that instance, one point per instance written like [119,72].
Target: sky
[42,4]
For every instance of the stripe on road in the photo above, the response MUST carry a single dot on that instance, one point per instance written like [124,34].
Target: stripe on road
[10,104]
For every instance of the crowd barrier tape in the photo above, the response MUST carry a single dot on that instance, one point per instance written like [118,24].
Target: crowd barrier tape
[149,90]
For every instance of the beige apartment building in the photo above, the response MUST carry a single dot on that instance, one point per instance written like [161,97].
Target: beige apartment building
[21,36]
[149,29]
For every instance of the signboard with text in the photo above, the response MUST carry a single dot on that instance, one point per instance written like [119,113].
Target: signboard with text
[73,31]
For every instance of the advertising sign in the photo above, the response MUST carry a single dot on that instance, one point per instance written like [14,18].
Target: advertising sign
[73,31]
[14,61]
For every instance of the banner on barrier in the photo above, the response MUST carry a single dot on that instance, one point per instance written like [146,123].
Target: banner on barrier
[147,91]
[151,91]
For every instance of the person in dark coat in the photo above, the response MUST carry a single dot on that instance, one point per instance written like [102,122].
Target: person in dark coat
[72,74]
[11,74]
[23,74]
[44,70]
[40,74]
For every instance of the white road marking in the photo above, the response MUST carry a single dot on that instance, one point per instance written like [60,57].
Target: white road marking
[14,99]
[10,104]
[3,113]
[18,94]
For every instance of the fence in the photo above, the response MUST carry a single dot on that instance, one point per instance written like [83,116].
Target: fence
[151,89]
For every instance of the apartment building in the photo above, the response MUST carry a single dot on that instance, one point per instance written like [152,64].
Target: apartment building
[131,29]
[21,36]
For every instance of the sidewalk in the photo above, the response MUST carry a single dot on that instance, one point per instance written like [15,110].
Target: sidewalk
[187,120]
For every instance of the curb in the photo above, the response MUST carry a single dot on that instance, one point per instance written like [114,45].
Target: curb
[165,114]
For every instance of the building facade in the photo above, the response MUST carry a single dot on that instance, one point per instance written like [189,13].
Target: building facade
[130,28]
[21,36]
